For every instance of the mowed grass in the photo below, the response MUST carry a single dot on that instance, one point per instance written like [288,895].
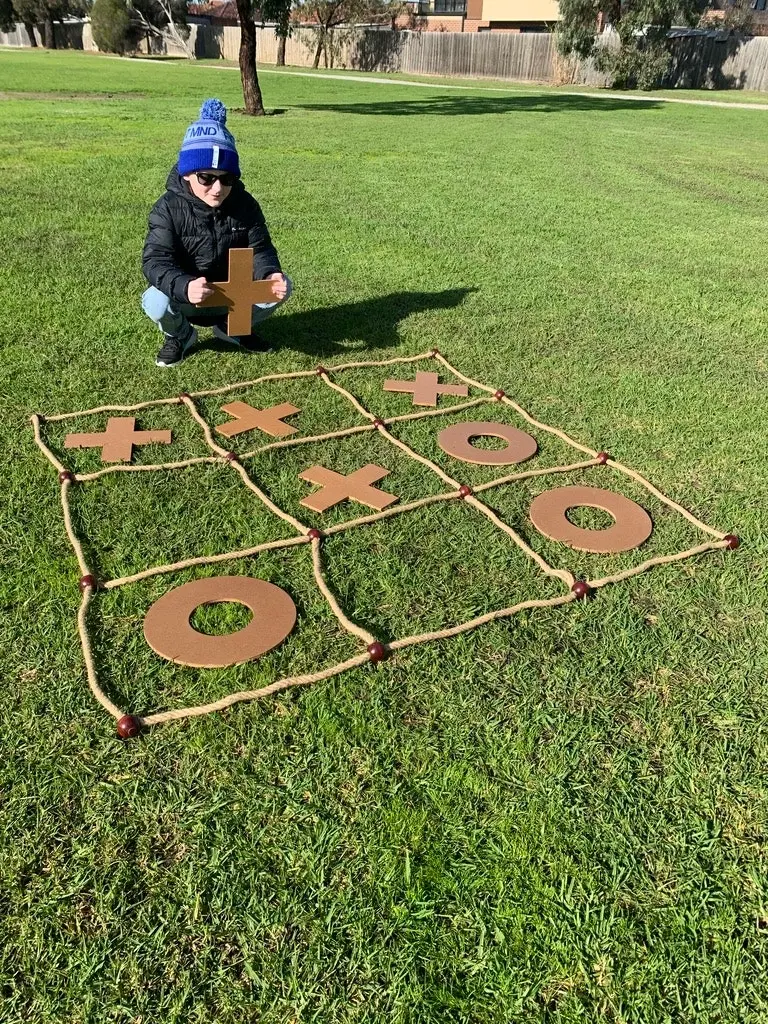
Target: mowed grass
[556,818]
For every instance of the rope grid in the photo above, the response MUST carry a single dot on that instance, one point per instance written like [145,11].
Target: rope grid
[89,585]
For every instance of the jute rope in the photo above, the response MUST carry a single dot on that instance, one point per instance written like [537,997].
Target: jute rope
[188,563]
[112,408]
[350,626]
[77,547]
[464,627]
[459,407]
[562,574]
[659,560]
[348,395]
[519,409]
[35,421]
[85,477]
[289,442]
[90,667]
[303,538]
[667,501]
[265,691]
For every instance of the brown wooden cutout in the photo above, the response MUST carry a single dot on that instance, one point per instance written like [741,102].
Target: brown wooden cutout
[633,525]
[118,439]
[168,632]
[247,418]
[455,441]
[240,292]
[426,388]
[356,487]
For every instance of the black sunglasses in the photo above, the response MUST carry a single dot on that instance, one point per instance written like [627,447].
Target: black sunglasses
[227,180]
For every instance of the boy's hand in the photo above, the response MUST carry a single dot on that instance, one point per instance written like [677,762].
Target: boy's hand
[198,290]
[279,285]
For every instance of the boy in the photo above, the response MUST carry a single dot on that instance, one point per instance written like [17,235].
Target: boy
[204,213]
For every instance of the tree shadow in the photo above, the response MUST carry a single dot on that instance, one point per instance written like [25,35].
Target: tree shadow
[541,103]
[348,328]
[699,58]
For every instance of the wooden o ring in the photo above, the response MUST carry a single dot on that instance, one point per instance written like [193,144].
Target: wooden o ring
[168,632]
[455,441]
[633,525]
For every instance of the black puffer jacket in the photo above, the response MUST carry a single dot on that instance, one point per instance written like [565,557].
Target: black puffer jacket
[189,239]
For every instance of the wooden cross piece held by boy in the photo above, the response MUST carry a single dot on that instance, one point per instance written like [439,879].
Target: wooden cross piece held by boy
[240,292]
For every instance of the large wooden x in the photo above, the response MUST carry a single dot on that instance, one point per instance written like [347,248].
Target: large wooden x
[247,418]
[426,388]
[356,487]
[240,292]
[118,439]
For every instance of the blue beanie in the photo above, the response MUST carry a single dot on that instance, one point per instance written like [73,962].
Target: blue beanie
[208,145]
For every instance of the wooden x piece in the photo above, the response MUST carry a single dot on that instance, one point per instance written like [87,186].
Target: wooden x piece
[247,418]
[356,487]
[118,439]
[240,292]
[426,388]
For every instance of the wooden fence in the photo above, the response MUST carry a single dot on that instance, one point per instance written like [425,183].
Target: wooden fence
[713,60]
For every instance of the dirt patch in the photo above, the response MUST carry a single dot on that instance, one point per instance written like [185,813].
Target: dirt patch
[71,95]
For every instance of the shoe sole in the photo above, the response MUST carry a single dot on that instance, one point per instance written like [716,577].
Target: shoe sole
[191,340]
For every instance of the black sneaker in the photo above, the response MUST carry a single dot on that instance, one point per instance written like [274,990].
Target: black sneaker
[254,344]
[173,350]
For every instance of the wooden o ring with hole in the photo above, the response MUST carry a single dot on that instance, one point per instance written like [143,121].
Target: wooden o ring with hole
[455,441]
[168,631]
[632,527]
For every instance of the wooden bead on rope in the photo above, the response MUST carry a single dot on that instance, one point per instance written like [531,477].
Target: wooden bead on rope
[183,397]
[376,651]
[231,457]
[602,457]
[128,727]
[378,422]
[465,490]
[87,582]
[733,541]
[435,352]
[320,370]
[65,476]
[581,589]
[314,533]
[498,394]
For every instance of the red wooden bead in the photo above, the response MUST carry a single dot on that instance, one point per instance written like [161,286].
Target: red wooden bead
[183,396]
[320,371]
[128,727]
[66,475]
[314,534]
[231,457]
[376,651]
[87,581]
[435,352]
[465,491]
[379,423]
[602,457]
[498,395]
[733,541]
[581,589]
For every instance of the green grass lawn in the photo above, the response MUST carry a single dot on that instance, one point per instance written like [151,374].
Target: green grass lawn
[556,818]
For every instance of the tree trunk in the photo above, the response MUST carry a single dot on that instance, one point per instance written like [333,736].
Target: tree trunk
[250,79]
[282,28]
[49,34]
[281,52]
[29,26]
[319,50]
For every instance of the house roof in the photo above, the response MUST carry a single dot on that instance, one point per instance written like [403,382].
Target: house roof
[217,10]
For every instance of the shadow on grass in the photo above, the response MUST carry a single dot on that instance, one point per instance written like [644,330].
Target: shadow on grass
[549,103]
[352,327]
